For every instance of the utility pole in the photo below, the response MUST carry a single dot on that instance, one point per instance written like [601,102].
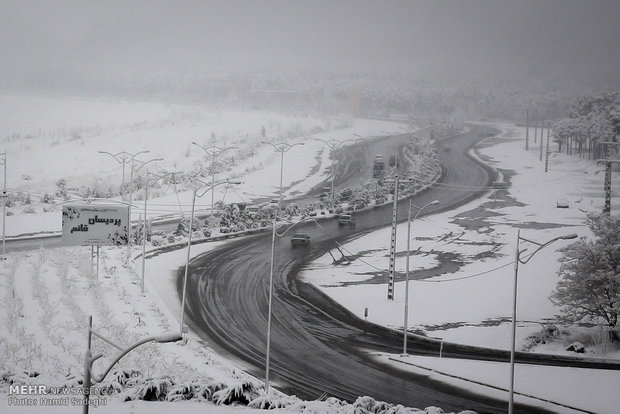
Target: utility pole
[535,130]
[607,186]
[390,294]
[547,154]
[542,131]
[527,129]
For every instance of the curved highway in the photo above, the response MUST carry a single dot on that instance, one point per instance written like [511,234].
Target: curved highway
[317,347]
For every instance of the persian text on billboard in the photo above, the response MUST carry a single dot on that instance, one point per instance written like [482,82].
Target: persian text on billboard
[94,225]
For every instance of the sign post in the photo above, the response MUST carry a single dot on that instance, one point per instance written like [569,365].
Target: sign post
[94,225]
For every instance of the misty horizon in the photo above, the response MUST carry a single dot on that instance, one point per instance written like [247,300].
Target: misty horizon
[165,45]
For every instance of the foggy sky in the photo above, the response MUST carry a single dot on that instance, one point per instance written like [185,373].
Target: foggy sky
[194,37]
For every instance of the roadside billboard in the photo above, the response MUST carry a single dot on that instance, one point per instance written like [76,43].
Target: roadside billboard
[94,225]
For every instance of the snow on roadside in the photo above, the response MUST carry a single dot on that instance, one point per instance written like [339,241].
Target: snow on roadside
[49,294]
[477,239]
[64,142]
[469,298]
[589,390]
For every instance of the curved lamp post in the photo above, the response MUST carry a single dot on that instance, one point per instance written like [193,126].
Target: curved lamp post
[333,145]
[524,260]
[282,148]
[213,151]
[273,248]
[409,221]
[197,181]
[89,359]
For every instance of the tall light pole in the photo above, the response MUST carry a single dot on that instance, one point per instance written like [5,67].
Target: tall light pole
[123,158]
[409,221]
[143,163]
[392,268]
[282,147]
[89,359]
[333,145]
[273,249]
[518,260]
[3,196]
[146,197]
[213,151]
[197,185]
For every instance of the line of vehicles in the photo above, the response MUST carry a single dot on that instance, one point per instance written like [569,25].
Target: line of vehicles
[303,239]
[345,219]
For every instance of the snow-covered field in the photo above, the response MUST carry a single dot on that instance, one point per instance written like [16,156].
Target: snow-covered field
[469,299]
[48,294]
[48,140]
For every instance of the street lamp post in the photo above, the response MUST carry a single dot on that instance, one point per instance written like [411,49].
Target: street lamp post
[273,249]
[409,221]
[189,236]
[333,145]
[3,195]
[282,147]
[146,197]
[518,260]
[123,158]
[89,359]
[213,152]
[131,192]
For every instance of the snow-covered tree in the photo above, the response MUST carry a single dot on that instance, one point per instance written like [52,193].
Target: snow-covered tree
[589,288]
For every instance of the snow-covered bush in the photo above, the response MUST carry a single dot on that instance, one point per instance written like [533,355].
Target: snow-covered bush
[241,392]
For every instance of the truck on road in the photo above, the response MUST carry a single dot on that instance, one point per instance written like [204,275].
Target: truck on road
[378,166]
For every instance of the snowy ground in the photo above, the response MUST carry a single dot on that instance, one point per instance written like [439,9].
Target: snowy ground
[63,140]
[48,294]
[470,253]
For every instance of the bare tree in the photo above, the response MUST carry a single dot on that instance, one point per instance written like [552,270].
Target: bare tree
[589,287]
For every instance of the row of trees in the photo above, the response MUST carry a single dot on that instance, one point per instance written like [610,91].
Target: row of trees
[591,121]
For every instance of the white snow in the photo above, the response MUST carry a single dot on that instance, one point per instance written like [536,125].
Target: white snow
[459,306]
[49,293]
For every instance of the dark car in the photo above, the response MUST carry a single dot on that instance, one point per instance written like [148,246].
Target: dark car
[346,220]
[300,240]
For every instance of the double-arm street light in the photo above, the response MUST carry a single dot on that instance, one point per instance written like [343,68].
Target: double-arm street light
[142,164]
[409,221]
[146,197]
[524,260]
[89,359]
[213,151]
[123,158]
[282,147]
[198,184]
[333,145]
